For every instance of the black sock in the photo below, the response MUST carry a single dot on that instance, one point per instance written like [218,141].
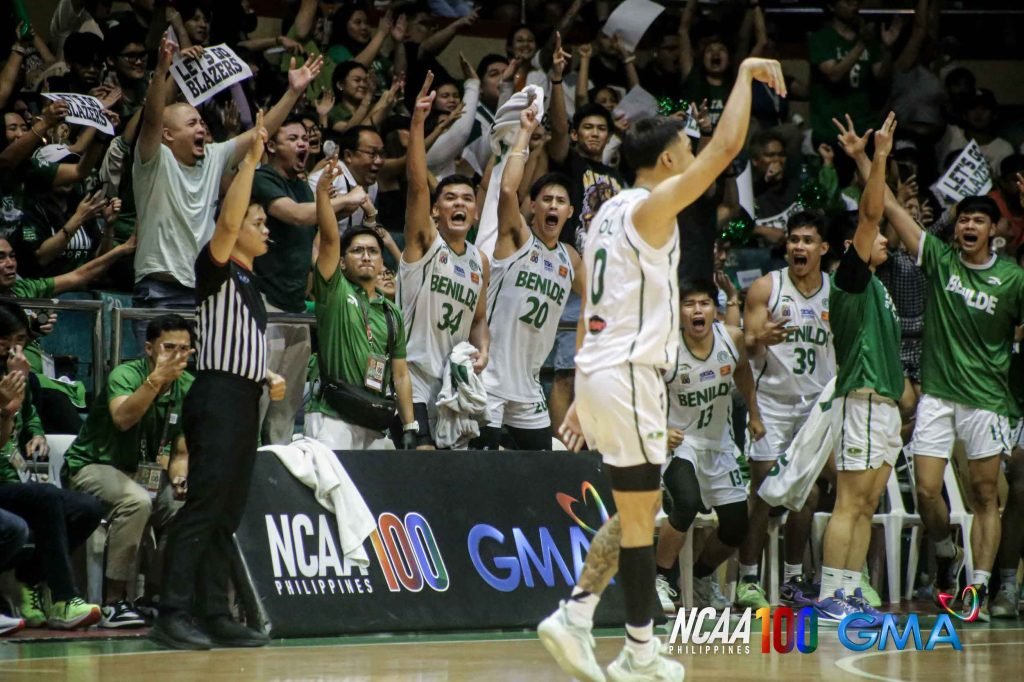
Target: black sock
[636,575]
[666,573]
[702,570]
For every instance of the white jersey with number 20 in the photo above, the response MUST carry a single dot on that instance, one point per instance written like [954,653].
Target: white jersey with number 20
[632,299]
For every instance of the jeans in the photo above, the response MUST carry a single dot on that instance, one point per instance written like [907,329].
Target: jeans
[13,536]
[154,293]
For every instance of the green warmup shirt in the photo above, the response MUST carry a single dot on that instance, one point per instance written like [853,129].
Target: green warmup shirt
[1017,377]
[342,311]
[101,442]
[34,288]
[969,318]
[865,331]
[852,94]
[283,271]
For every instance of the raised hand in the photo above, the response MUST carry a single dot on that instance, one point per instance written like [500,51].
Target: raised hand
[468,72]
[774,333]
[559,59]
[166,56]
[907,190]
[424,100]
[325,103]
[703,117]
[300,78]
[828,156]
[169,366]
[768,71]
[17,362]
[885,135]
[851,143]
[54,112]
[12,392]
[259,140]
[891,33]
[469,19]
[510,71]
[89,207]
[400,29]
[585,51]
[326,181]
[528,119]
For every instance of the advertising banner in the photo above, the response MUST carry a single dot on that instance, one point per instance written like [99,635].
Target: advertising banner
[464,540]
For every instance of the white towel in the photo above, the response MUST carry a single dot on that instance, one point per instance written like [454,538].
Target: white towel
[790,481]
[462,402]
[503,134]
[317,467]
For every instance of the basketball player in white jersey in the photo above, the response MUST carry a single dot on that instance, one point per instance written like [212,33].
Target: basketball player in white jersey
[531,275]
[442,277]
[790,345]
[703,472]
[629,333]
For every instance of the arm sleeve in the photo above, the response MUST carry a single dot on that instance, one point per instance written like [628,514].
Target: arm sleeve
[451,143]
[853,274]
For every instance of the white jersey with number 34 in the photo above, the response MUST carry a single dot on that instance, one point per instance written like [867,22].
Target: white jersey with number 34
[632,299]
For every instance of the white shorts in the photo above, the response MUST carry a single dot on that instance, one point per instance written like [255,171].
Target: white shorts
[622,411]
[781,423]
[502,412]
[940,422]
[1017,436]
[339,435]
[718,475]
[865,431]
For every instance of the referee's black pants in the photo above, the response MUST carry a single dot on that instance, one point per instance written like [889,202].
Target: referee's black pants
[221,425]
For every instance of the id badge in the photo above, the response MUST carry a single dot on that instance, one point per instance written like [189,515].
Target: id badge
[375,372]
[148,476]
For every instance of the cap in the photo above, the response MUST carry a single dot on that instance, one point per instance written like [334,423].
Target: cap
[55,153]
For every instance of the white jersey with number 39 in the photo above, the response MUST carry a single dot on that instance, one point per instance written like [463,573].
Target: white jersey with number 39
[632,299]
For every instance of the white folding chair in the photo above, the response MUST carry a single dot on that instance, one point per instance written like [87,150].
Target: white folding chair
[686,556]
[958,516]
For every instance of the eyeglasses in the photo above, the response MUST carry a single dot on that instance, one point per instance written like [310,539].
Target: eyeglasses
[372,153]
[138,57]
[371,251]
[171,347]
[387,274]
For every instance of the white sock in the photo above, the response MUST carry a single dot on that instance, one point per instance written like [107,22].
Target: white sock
[792,571]
[851,581]
[981,577]
[831,580]
[581,606]
[1008,577]
[638,638]
[748,569]
[944,548]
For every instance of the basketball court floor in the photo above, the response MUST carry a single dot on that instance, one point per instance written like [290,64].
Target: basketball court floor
[990,652]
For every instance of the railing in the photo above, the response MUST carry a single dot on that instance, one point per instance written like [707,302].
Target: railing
[95,309]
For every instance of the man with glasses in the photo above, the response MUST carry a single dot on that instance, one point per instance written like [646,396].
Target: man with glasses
[131,454]
[362,335]
[127,57]
[361,152]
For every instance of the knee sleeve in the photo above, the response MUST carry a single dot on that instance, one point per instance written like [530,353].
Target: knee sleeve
[732,523]
[682,498]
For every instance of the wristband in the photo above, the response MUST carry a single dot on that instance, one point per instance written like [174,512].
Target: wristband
[630,59]
[411,426]
[556,82]
[152,385]
[732,303]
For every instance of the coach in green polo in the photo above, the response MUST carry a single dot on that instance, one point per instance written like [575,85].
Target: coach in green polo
[131,454]
[361,333]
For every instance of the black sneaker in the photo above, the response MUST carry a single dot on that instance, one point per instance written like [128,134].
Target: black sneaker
[224,631]
[968,606]
[175,630]
[798,592]
[121,614]
[947,577]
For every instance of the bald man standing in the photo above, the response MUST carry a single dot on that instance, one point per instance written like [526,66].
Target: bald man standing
[177,181]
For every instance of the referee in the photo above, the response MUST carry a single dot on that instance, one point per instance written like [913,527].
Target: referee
[221,424]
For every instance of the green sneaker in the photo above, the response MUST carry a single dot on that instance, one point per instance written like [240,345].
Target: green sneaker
[71,614]
[750,595]
[870,595]
[33,606]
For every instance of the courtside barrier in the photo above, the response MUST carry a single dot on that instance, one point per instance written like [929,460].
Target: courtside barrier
[464,540]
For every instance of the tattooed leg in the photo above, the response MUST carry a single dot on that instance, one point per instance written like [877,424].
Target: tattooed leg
[603,558]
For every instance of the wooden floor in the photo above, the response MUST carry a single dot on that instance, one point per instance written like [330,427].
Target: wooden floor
[989,653]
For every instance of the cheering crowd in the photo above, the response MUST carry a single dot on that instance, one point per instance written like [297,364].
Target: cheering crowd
[434,223]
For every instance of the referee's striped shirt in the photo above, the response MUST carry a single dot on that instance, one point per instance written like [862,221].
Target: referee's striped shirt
[232,319]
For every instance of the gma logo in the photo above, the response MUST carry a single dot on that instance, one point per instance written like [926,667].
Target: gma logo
[860,632]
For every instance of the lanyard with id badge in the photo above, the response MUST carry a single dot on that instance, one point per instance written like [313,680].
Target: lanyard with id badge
[376,363]
[151,469]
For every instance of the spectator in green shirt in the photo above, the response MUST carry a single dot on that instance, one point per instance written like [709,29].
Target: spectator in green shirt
[131,455]
[362,336]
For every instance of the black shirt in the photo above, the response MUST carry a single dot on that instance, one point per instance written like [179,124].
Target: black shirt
[593,183]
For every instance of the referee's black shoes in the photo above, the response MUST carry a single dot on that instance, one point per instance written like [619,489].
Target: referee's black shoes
[224,631]
[175,630]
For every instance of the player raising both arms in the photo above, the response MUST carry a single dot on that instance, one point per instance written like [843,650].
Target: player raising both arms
[443,278]
[629,335]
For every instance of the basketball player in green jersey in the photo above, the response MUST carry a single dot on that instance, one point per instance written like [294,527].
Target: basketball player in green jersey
[869,382]
[974,302]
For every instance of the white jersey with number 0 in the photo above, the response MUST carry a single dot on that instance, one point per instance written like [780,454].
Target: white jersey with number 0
[700,392]
[525,298]
[632,299]
[796,370]
[438,295]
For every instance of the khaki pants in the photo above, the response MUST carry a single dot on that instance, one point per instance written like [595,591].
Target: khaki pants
[131,509]
[288,350]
